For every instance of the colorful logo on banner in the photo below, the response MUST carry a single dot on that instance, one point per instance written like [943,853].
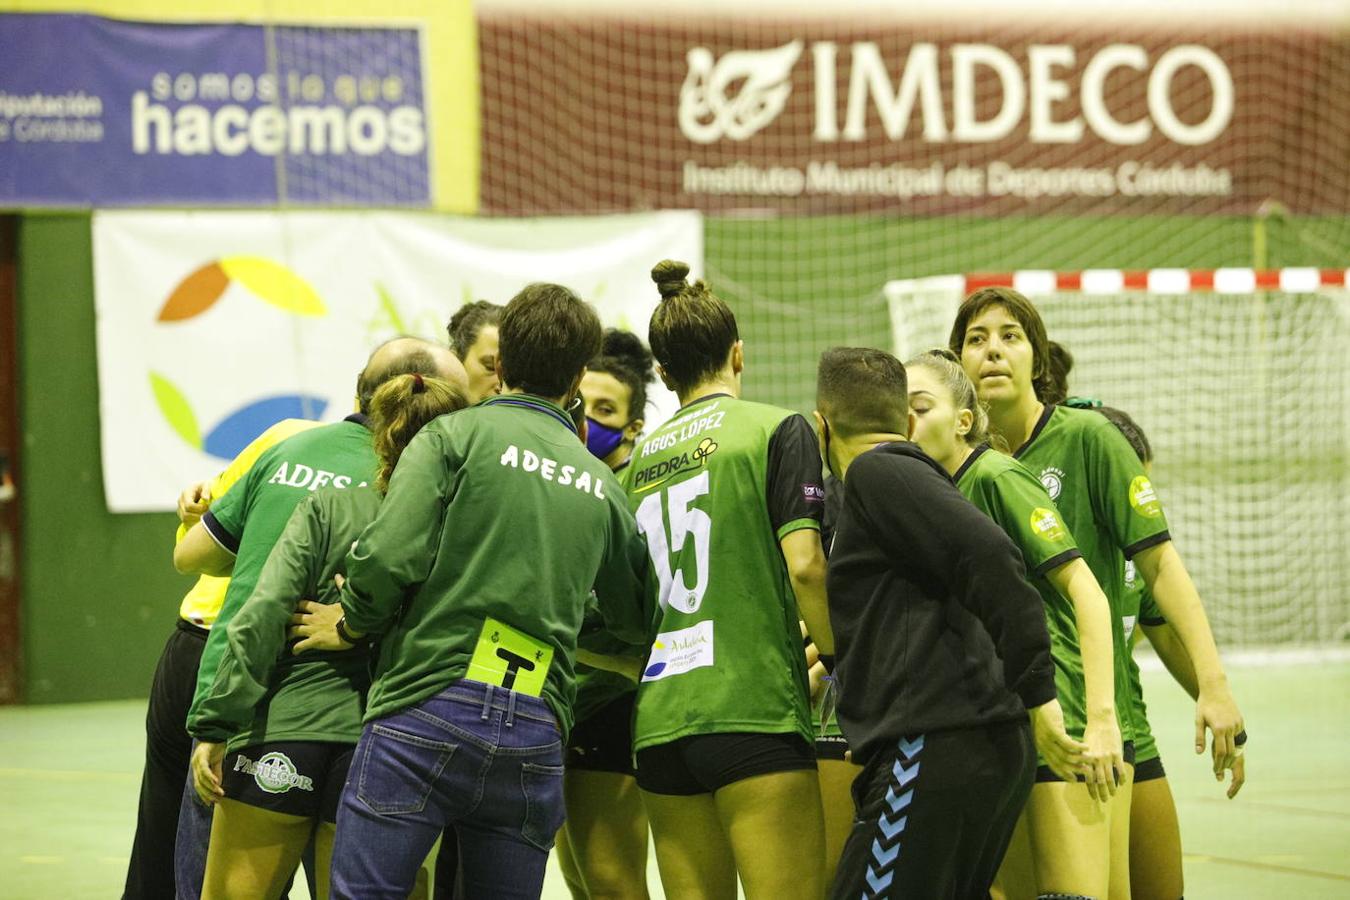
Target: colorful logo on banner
[269,282]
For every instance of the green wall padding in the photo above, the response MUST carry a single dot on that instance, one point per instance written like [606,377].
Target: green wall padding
[100,595]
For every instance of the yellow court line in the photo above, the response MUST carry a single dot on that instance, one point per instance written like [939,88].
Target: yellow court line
[1283,808]
[1269,867]
[68,774]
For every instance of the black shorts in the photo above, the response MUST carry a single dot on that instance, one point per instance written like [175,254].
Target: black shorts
[831,746]
[1149,770]
[299,778]
[1044,773]
[935,814]
[703,763]
[603,741]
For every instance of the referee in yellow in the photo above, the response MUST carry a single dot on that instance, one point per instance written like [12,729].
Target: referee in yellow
[150,875]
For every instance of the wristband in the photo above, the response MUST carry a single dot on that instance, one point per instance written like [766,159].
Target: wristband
[344,634]
[827,660]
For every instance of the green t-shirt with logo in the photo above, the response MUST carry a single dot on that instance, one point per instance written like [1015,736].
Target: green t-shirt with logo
[1109,506]
[1140,609]
[249,519]
[1008,493]
[497,526]
[262,692]
[714,491]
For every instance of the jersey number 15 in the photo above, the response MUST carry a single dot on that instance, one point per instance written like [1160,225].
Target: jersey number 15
[685,522]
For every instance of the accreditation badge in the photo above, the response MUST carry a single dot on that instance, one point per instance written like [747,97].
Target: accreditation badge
[510,659]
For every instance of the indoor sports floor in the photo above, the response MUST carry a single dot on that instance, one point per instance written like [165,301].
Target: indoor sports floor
[69,777]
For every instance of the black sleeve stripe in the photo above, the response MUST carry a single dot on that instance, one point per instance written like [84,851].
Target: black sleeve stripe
[1152,622]
[1058,560]
[1138,547]
[220,534]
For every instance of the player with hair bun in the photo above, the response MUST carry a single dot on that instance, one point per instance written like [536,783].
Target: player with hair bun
[1069,826]
[602,847]
[728,497]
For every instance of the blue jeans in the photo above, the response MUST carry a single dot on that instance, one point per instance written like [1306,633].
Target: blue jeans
[486,760]
[189,849]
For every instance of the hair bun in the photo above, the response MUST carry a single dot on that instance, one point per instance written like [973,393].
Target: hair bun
[669,276]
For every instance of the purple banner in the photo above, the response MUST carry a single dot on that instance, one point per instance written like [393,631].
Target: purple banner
[98,112]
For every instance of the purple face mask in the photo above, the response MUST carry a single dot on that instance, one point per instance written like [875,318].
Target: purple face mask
[602,440]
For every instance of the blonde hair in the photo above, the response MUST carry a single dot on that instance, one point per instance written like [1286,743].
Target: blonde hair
[947,367]
[399,409]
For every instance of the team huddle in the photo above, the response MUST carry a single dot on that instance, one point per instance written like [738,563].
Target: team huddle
[883,653]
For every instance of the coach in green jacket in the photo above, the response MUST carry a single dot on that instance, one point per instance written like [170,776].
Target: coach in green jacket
[474,577]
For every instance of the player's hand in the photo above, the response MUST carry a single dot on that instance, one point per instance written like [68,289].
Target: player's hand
[1105,756]
[1064,755]
[194,502]
[314,625]
[206,776]
[1217,710]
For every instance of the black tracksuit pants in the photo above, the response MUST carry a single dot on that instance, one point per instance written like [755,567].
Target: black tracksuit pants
[168,749]
[933,816]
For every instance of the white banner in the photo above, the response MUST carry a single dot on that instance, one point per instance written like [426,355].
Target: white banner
[214,325]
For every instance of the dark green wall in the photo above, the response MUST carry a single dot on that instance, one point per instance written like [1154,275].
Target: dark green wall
[100,595]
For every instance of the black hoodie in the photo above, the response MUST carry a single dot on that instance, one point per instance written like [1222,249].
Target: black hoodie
[935,624]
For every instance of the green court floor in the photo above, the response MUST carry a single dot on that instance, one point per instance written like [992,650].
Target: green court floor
[69,777]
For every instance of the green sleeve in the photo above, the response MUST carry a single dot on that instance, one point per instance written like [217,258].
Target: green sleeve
[1123,498]
[1032,520]
[396,552]
[256,635]
[225,520]
[626,606]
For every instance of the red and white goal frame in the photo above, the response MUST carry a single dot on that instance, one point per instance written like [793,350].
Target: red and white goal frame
[1032,282]
[1174,347]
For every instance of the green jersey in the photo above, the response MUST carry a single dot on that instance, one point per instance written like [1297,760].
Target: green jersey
[497,525]
[1140,609]
[714,491]
[262,692]
[1005,491]
[249,519]
[597,688]
[1108,505]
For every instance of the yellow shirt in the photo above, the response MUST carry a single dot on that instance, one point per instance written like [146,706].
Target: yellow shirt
[202,603]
